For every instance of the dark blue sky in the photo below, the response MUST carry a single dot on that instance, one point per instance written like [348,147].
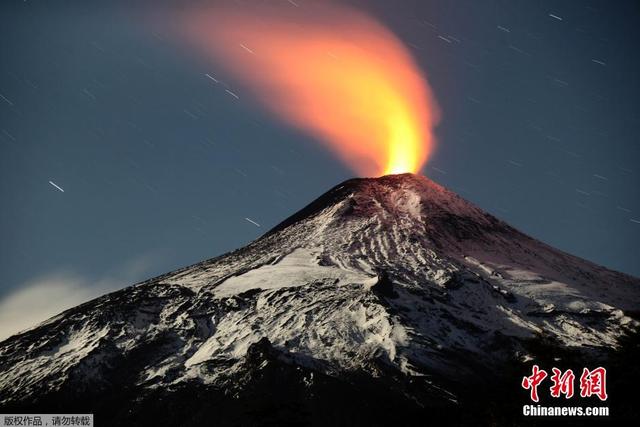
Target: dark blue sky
[160,167]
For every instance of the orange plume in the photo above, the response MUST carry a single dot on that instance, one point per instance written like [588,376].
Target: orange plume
[330,71]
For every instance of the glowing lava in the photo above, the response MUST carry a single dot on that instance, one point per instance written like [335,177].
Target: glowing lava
[332,72]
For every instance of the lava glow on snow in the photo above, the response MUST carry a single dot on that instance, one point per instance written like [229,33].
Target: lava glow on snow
[331,71]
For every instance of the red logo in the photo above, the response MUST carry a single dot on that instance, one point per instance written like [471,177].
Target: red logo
[592,383]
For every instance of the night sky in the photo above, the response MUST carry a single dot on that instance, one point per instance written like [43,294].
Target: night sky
[161,168]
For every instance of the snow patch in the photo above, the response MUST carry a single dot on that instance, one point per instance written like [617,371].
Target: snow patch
[296,269]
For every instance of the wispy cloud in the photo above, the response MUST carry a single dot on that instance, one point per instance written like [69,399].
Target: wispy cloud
[43,297]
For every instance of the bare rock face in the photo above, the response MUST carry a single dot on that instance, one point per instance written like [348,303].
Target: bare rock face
[383,300]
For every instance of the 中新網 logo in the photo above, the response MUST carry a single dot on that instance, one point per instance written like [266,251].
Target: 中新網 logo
[592,383]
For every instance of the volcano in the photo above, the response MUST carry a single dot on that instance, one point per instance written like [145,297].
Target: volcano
[383,300]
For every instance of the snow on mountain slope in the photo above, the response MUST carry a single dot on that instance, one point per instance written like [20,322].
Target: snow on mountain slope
[395,270]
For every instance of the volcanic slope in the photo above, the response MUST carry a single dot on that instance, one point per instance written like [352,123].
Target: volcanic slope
[384,299]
